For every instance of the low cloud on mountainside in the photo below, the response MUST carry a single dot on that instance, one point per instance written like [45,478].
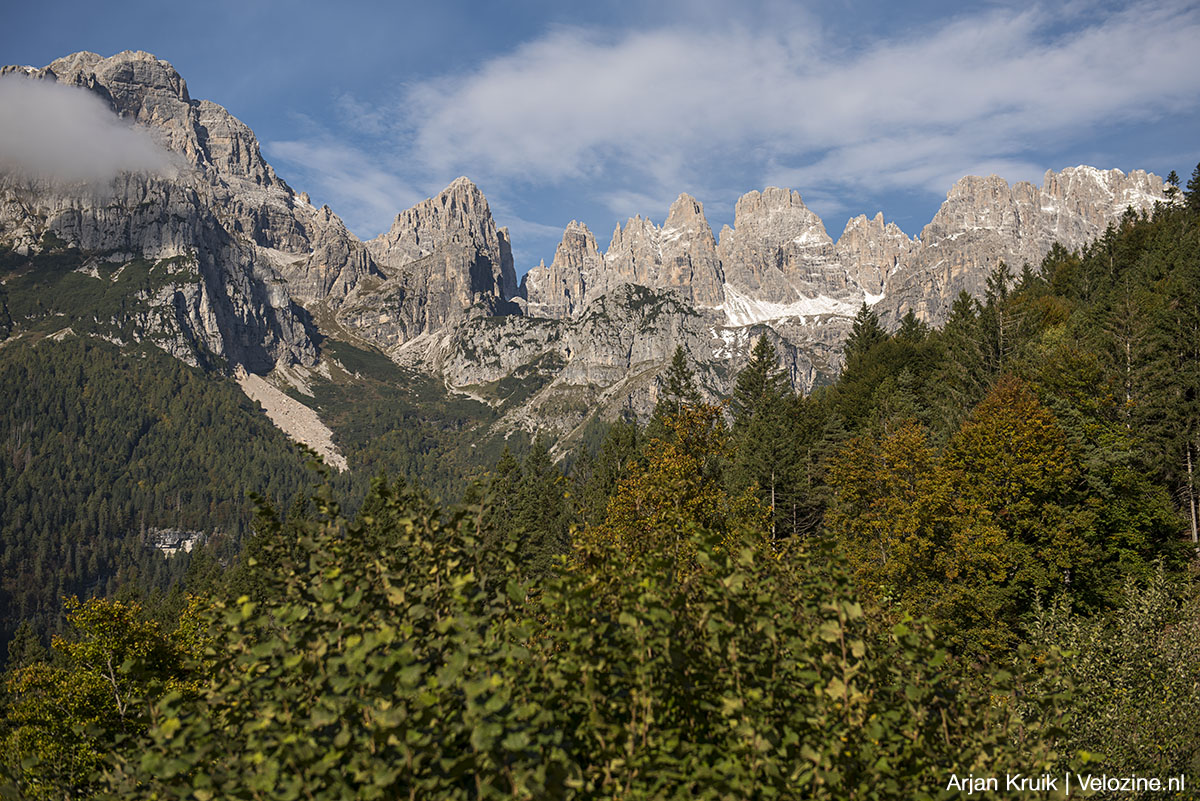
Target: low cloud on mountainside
[65,133]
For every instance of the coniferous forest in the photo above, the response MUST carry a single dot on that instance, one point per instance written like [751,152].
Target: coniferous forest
[973,554]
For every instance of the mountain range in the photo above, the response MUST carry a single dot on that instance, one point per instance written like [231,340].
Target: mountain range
[216,260]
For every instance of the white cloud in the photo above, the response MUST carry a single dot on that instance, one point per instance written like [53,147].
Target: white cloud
[67,133]
[366,196]
[650,110]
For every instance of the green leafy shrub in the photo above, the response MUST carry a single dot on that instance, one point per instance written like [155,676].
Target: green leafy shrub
[396,658]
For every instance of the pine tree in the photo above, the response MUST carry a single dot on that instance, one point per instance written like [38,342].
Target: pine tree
[758,385]
[499,525]
[963,378]
[621,447]
[677,390]
[911,329]
[996,320]
[539,511]
[1172,188]
[25,648]
[679,384]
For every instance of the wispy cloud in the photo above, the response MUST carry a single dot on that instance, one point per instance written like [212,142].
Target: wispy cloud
[363,193]
[69,134]
[623,119]
[648,111]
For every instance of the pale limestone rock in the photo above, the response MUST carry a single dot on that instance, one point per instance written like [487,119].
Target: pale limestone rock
[442,261]
[872,250]
[561,290]
[778,250]
[985,221]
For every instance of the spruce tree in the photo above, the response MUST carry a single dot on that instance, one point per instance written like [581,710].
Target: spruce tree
[758,385]
[499,525]
[866,333]
[964,378]
[1192,195]
[622,445]
[911,329]
[1172,189]
[765,451]
[539,511]
[678,386]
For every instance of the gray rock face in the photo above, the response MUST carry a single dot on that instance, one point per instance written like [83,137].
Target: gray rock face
[244,264]
[561,290]
[871,251]
[680,256]
[985,221]
[442,261]
[609,359]
[778,250]
[224,207]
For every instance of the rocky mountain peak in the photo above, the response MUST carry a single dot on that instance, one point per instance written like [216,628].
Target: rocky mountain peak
[871,249]
[576,275]
[775,216]
[985,221]
[778,250]
[459,212]
[687,214]
[444,259]
[128,76]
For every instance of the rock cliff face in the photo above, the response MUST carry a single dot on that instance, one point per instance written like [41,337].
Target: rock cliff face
[561,290]
[263,253]
[681,256]
[222,208]
[442,261]
[609,359]
[871,251]
[985,221]
[778,250]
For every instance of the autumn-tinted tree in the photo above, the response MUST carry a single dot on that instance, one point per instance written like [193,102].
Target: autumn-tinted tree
[680,487]
[67,718]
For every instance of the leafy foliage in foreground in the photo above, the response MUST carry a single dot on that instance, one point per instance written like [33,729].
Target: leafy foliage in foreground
[66,717]
[1134,676]
[399,659]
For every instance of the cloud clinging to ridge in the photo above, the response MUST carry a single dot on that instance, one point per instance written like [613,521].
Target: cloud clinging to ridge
[69,134]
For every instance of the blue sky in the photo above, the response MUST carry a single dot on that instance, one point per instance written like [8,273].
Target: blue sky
[560,112]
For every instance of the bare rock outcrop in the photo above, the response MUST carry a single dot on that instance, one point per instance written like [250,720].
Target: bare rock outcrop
[778,250]
[985,221]
[680,256]
[442,261]
[561,290]
[871,250]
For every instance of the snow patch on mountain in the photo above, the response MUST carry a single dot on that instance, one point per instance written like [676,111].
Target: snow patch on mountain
[742,310]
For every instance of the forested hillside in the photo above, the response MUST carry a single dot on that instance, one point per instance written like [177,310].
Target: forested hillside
[101,447]
[972,554]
